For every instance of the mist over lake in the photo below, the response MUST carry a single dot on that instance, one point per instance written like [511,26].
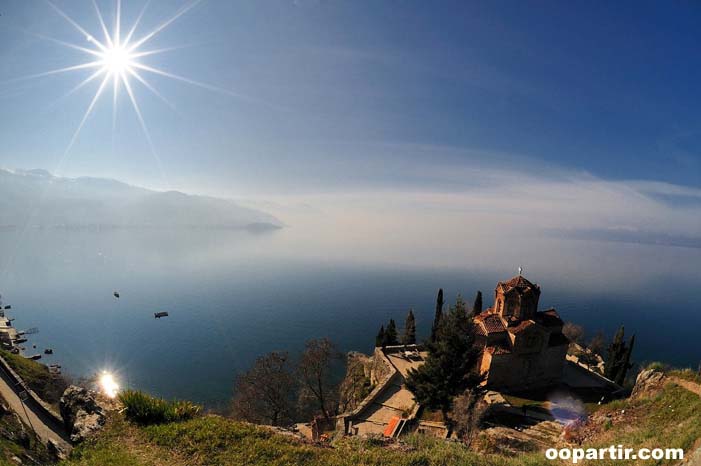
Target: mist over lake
[234,295]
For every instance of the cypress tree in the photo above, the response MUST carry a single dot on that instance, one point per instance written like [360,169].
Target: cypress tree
[619,356]
[409,337]
[477,307]
[449,367]
[380,338]
[391,334]
[625,363]
[460,311]
[438,316]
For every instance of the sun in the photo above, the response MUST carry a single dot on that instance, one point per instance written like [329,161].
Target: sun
[117,61]
[114,59]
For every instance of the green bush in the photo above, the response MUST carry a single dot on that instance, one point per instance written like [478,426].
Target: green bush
[657,366]
[37,376]
[145,410]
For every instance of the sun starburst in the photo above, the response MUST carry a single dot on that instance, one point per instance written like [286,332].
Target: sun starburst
[115,60]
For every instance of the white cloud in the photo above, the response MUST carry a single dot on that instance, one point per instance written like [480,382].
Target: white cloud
[506,218]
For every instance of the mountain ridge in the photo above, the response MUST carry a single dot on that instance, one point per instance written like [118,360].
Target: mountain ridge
[38,199]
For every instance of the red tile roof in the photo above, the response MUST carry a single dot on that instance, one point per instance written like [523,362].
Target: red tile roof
[522,326]
[493,323]
[519,283]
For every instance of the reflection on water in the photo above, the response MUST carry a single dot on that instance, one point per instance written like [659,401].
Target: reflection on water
[234,295]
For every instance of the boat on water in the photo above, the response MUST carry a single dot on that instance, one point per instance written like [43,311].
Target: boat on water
[34,357]
[116,294]
[48,351]
[158,315]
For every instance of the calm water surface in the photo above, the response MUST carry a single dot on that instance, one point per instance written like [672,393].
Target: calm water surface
[233,296]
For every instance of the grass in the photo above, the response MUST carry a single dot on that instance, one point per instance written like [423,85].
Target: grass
[16,441]
[145,410]
[671,419]
[519,402]
[686,374]
[37,376]
[215,441]
[657,366]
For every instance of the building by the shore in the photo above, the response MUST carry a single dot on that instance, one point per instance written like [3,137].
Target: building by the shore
[522,348]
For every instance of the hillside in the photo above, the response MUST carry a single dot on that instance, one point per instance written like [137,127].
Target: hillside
[213,440]
[669,416]
[666,414]
[37,199]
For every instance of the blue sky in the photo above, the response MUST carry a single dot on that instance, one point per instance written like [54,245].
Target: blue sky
[354,95]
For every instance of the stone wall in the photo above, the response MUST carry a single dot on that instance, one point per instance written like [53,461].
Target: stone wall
[382,374]
[380,368]
[514,371]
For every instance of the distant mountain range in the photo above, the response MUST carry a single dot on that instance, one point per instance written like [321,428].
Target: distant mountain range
[628,236]
[37,199]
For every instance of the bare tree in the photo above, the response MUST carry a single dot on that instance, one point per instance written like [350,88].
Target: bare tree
[573,332]
[591,356]
[468,412]
[597,344]
[266,393]
[316,377]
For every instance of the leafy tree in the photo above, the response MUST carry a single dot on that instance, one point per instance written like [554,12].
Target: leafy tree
[316,375]
[380,338]
[477,306]
[409,337]
[391,336]
[450,366]
[438,315]
[265,393]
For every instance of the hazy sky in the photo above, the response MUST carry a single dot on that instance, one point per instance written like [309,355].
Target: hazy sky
[586,109]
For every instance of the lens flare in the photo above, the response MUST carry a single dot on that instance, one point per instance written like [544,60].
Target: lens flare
[565,408]
[108,385]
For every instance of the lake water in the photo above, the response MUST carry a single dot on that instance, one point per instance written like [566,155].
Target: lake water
[233,296]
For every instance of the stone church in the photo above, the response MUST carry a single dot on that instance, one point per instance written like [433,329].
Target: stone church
[522,348]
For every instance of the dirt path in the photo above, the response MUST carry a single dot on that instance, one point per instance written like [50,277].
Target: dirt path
[691,386]
[45,427]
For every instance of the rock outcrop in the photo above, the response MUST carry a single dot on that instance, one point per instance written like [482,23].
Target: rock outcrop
[648,381]
[81,412]
[56,451]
